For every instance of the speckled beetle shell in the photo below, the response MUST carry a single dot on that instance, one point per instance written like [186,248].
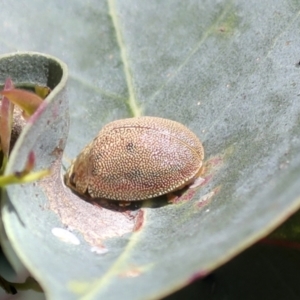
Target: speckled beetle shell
[136,159]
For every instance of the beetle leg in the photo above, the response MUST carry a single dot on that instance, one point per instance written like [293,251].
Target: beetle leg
[172,197]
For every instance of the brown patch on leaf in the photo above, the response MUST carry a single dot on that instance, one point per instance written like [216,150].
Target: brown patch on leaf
[207,179]
[188,194]
[205,199]
[209,169]
[57,152]
[93,220]
[176,198]
[213,164]
[139,220]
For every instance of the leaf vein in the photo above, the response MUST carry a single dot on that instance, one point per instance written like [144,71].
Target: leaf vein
[132,102]
[204,37]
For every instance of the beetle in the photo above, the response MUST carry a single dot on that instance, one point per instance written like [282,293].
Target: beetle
[136,159]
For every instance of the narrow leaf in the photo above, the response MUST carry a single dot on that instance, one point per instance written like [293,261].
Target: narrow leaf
[25,175]
[17,179]
[30,163]
[42,91]
[6,120]
[28,101]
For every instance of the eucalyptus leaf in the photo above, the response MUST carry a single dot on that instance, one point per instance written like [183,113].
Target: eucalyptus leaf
[227,70]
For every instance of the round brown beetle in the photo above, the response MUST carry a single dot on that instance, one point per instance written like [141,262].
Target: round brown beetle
[137,159]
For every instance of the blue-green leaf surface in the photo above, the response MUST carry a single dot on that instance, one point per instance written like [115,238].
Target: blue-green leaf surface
[229,70]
